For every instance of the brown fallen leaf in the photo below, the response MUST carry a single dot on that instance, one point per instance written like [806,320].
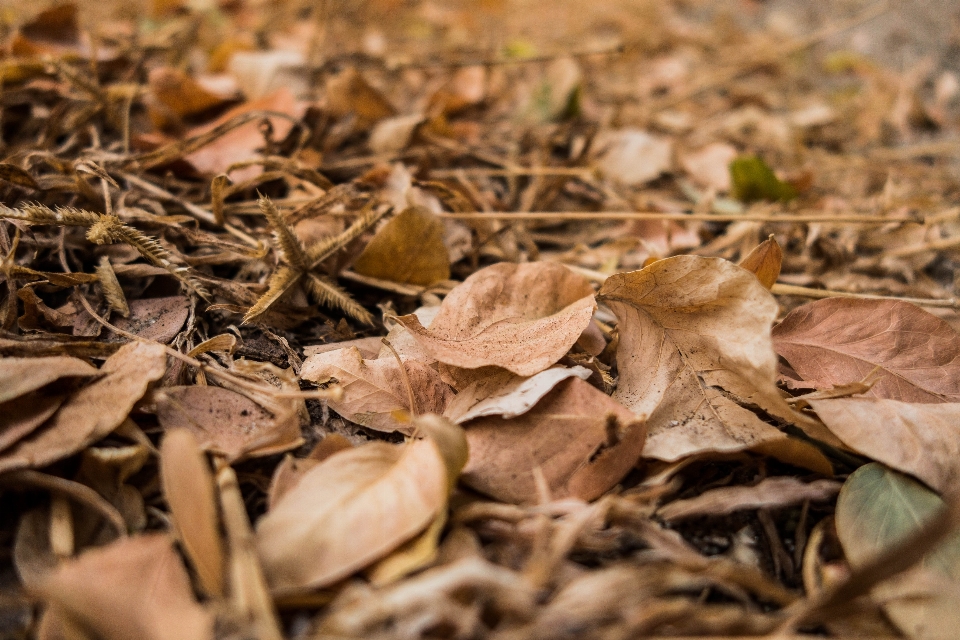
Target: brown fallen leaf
[408,249]
[840,340]
[290,470]
[357,506]
[19,417]
[522,317]
[580,439]
[133,588]
[770,493]
[373,390]
[94,411]
[764,262]
[179,94]
[241,144]
[695,341]
[226,422]
[189,491]
[349,93]
[369,347]
[506,394]
[710,166]
[920,439]
[158,319]
[19,376]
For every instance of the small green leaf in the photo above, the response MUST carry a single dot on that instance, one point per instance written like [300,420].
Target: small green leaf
[753,180]
[878,507]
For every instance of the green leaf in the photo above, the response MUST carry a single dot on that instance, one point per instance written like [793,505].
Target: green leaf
[753,180]
[877,507]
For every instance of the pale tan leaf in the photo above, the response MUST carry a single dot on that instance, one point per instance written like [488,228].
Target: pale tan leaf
[920,439]
[695,337]
[369,347]
[93,411]
[770,493]
[133,588]
[506,394]
[290,470]
[408,249]
[410,556]
[581,440]
[188,489]
[710,166]
[374,389]
[357,506]
[227,422]
[841,340]
[19,376]
[522,317]
[764,262]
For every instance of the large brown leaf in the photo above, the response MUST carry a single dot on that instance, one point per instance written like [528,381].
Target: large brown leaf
[357,506]
[695,341]
[920,439]
[19,376]
[93,411]
[839,340]
[581,440]
[133,588]
[373,390]
[522,317]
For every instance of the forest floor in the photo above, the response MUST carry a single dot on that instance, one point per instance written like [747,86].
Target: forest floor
[501,319]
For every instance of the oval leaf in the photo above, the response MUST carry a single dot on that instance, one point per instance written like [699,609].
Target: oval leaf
[522,317]
[408,249]
[357,506]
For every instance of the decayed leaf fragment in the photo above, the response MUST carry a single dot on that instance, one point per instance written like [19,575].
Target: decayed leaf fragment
[408,249]
[93,411]
[581,440]
[132,588]
[358,505]
[769,493]
[374,389]
[522,317]
[840,340]
[693,332]
[920,439]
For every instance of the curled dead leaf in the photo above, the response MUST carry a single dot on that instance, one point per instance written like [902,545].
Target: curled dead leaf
[408,249]
[522,317]
[357,506]
[764,262]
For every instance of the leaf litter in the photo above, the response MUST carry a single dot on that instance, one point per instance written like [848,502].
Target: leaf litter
[435,320]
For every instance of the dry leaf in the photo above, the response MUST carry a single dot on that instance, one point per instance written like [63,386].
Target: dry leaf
[188,489]
[408,249]
[19,417]
[632,156]
[20,376]
[290,470]
[411,556]
[179,93]
[133,588]
[840,340]
[373,390]
[581,440]
[349,93]
[710,166]
[522,317]
[506,394]
[920,439]
[770,493]
[158,319]
[93,411]
[227,422]
[693,330]
[357,506]
[393,134]
[369,347]
[241,144]
[764,262]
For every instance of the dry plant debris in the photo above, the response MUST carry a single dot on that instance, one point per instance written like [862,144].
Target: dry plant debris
[410,320]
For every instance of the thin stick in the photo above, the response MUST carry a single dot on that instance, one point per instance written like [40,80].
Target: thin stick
[680,217]
[781,289]
[514,171]
[403,375]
